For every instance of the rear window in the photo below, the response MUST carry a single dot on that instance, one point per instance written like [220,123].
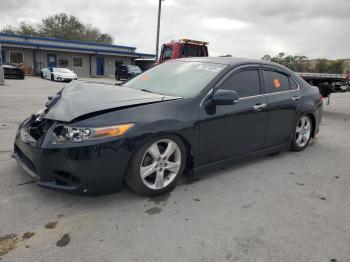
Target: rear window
[275,82]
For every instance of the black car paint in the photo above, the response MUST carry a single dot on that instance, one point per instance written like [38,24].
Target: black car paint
[13,72]
[212,134]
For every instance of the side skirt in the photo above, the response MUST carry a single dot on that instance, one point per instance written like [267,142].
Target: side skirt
[228,161]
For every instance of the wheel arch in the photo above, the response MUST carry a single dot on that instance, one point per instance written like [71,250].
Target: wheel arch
[313,121]
[189,148]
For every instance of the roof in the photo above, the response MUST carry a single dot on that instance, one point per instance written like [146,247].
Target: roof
[230,61]
[75,46]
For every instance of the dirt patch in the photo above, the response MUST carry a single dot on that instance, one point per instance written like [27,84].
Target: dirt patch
[51,225]
[60,215]
[8,243]
[160,199]
[299,184]
[323,198]
[65,239]
[28,235]
[153,210]
[196,199]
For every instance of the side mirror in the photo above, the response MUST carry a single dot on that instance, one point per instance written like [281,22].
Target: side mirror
[225,97]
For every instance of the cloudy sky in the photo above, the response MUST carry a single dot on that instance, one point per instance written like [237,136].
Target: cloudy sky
[244,28]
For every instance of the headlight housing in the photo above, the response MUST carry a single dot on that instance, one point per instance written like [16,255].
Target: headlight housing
[64,134]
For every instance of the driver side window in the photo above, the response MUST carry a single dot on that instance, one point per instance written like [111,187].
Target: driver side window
[245,83]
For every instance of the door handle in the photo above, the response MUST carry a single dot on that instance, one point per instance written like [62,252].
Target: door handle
[295,98]
[259,107]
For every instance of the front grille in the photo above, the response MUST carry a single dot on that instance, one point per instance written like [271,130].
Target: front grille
[25,160]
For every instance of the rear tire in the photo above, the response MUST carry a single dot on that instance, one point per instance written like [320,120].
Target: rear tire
[157,166]
[42,75]
[52,77]
[302,133]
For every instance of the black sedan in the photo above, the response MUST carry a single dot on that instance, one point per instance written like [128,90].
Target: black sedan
[184,114]
[13,71]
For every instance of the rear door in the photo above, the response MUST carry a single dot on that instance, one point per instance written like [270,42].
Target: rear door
[228,131]
[284,102]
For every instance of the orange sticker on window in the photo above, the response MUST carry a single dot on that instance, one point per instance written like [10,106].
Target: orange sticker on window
[277,83]
[146,77]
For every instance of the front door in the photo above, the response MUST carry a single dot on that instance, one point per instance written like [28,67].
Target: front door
[100,66]
[51,60]
[284,102]
[232,130]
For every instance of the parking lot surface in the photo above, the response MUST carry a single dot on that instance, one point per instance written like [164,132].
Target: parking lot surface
[285,207]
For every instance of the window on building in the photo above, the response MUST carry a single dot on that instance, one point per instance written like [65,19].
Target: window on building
[63,62]
[245,83]
[16,57]
[275,82]
[77,61]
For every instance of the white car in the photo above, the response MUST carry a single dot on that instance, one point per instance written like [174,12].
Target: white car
[58,74]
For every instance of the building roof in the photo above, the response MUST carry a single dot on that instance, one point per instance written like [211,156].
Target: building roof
[47,43]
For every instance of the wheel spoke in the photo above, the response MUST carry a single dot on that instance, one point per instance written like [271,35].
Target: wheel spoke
[147,170]
[154,151]
[169,150]
[305,138]
[173,166]
[299,139]
[307,127]
[298,129]
[159,179]
[302,121]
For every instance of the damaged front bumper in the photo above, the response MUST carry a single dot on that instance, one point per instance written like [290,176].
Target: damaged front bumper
[92,169]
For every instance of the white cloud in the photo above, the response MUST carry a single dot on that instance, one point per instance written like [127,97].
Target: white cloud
[245,28]
[223,24]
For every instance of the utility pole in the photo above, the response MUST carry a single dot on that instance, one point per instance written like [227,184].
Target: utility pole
[158,27]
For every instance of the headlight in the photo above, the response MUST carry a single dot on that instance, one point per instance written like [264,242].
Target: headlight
[81,134]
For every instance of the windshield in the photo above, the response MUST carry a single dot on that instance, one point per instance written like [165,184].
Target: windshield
[133,68]
[61,70]
[177,78]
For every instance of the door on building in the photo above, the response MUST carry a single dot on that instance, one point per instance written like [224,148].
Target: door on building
[100,66]
[51,60]
[3,57]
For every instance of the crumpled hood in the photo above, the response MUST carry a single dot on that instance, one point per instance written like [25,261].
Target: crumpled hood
[81,98]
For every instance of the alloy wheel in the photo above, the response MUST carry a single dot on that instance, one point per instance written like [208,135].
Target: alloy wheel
[160,164]
[303,131]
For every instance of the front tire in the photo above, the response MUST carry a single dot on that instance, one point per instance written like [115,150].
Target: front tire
[157,166]
[302,133]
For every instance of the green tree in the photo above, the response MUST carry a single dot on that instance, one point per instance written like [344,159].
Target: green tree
[62,26]
[27,29]
[321,66]
[296,63]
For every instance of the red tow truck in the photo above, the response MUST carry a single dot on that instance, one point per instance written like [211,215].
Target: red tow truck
[183,48]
